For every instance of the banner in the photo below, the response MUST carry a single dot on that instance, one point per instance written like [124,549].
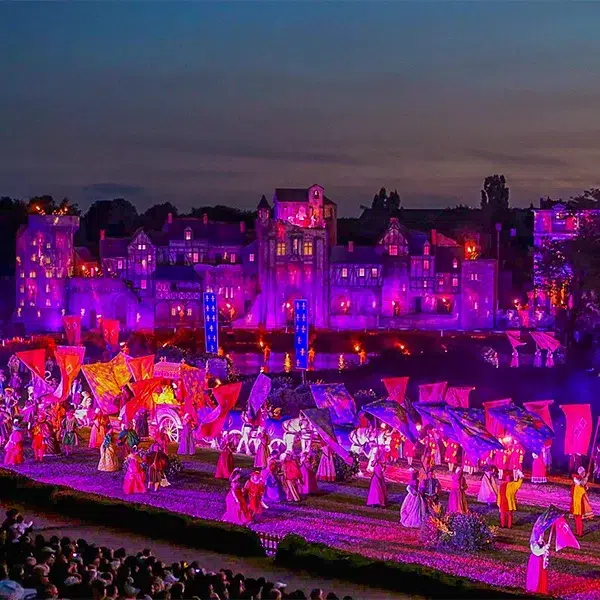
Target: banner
[69,360]
[526,427]
[545,341]
[542,409]
[110,331]
[396,388]
[514,339]
[193,383]
[211,323]
[471,433]
[578,429]
[141,367]
[106,381]
[320,419]
[432,392]
[301,333]
[493,426]
[72,325]
[34,360]
[258,394]
[336,398]
[143,392]
[226,397]
[458,396]
[394,415]
[437,416]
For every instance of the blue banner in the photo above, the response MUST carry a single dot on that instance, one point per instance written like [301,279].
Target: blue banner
[301,333]
[211,323]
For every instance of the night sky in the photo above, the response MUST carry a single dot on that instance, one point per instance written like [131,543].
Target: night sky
[200,103]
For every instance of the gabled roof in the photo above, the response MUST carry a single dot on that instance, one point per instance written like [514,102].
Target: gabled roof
[360,255]
[264,203]
[295,195]
[213,231]
[84,254]
[114,247]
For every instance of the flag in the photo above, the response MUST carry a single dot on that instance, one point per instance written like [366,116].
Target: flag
[72,325]
[34,360]
[336,398]
[120,371]
[141,367]
[437,416]
[258,394]
[106,381]
[542,409]
[514,339]
[110,331]
[192,381]
[432,392]
[458,396]
[527,427]
[69,360]
[143,395]
[578,429]
[493,426]
[394,415]
[226,397]
[320,419]
[471,433]
[396,388]
[554,517]
[545,341]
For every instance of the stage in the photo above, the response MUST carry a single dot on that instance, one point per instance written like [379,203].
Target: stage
[339,518]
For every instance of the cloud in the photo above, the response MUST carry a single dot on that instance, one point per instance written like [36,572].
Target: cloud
[516,159]
[96,191]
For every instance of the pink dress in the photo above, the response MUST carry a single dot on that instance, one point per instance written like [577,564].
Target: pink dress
[14,448]
[457,502]
[135,478]
[538,470]
[413,509]
[97,432]
[262,453]
[309,483]
[326,470]
[537,575]
[224,464]
[377,489]
[236,510]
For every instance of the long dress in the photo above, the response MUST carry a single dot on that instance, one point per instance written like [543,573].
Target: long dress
[98,431]
[187,446]
[309,483]
[224,464]
[262,452]
[236,509]
[537,570]
[413,510]
[538,469]
[69,432]
[488,491]
[51,445]
[326,470]
[457,501]
[109,461]
[377,489]
[13,451]
[255,492]
[291,479]
[37,441]
[274,492]
[135,478]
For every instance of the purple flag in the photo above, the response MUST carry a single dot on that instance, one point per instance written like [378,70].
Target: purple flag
[259,393]
[320,419]
[336,398]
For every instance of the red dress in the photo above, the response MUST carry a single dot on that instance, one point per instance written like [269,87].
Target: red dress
[14,448]
[255,492]
[224,464]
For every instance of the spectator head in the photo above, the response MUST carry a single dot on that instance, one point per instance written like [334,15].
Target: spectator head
[316,594]
[98,587]
[111,591]
[177,590]
[130,592]
[50,592]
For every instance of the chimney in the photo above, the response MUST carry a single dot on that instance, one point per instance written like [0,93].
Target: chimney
[434,237]
[350,246]
[170,218]
[205,218]
[242,227]
[102,234]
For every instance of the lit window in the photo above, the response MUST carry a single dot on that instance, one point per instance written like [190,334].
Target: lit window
[22,275]
[47,288]
[188,234]
[173,312]
[426,265]
[440,280]
[195,257]
[188,312]
[361,272]
[149,258]
[475,305]
[33,257]
[143,263]
[119,264]
[424,284]
[251,257]
[47,261]
[374,272]
[295,245]
[232,257]
[426,250]
[280,248]
[143,284]
[403,287]
[48,245]
[393,250]
[32,274]
[455,264]
[344,272]
[455,282]
[308,248]
[474,276]
[22,289]
[48,303]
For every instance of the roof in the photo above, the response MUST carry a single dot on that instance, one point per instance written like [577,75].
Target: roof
[217,232]
[175,273]
[295,195]
[84,254]
[264,203]
[444,257]
[360,255]
[114,247]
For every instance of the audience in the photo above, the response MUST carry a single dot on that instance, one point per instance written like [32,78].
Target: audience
[34,568]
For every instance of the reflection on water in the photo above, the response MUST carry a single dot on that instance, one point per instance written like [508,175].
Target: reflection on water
[249,363]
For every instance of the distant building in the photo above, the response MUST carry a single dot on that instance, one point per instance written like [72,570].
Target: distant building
[406,278]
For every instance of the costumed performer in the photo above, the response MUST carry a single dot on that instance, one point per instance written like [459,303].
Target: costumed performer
[580,503]
[98,430]
[135,478]
[68,431]
[157,462]
[488,490]
[326,470]
[13,451]
[308,469]
[430,490]
[537,567]
[457,500]
[37,439]
[187,445]
[413,509]
[377,495]
[109,460]
[255,491]
[225,466]
[507,498]
[538,468]
[291,477]
[274,492]
[262,451]
[236,509]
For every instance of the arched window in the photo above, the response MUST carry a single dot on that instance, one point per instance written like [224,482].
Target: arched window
[188,234]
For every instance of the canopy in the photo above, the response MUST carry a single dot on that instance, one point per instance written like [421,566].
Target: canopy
[528,428]
[320,419]
[554,517]
[469,428]
[335,398]
[437,415]
[392,414]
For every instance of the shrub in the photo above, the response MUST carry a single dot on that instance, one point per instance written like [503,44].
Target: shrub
[344,471]
[455,531]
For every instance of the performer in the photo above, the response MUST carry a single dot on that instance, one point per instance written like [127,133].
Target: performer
[514,359]
[236,509]
[187,445]
[76,390]
[291,478]
[311,358]
[163,440]
[395,449]
[37,439]
[430,490]
[501,460]
[2,381]
[537,358]
[98,430]
[305,435]
[255,490]
[140,423]
[68,430]
[157,462]
[127,439]
[549,359]
[515,457]
[244,443]
[262,451]
[51,445]
[457,501]
[135,478]
[326,470]
[109,461]
[409,451]
[488,490]
[377,488]
[5,426]
[468,466]
[225,465]
[507,498]
[413,509]
[597,463]
[537,567]
[538,468]
[274,491]
[13,451]
[451,454]
[580,503]
[308,468]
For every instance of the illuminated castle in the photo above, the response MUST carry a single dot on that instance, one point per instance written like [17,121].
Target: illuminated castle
[156,279]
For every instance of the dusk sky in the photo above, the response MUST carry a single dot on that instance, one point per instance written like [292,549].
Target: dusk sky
[199,103]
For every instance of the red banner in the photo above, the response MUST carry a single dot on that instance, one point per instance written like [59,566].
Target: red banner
[72,325]
[227,397]
[432,393]
[458,396]
[143,395]
[34,360]
[491,424]
[578,429]
[110,331]
[193,382]
[141,367]
[69,360]
[542,409]
[396,388]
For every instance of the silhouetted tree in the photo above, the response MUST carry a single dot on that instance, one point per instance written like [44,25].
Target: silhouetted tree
[393,202]
[46,205]
[13,214]
[380,200]
[494,198]
[118,217]
[156,216]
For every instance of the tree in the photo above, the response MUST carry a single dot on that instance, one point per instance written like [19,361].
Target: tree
[13,214]
[380,200]
[494,198]
[46,205]
[118,217]
[394,202]
[156,216]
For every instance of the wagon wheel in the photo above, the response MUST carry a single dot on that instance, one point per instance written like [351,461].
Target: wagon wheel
[234,436]
[278,445]
[168,425]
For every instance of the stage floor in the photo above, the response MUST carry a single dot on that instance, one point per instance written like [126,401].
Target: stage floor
[338,517]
